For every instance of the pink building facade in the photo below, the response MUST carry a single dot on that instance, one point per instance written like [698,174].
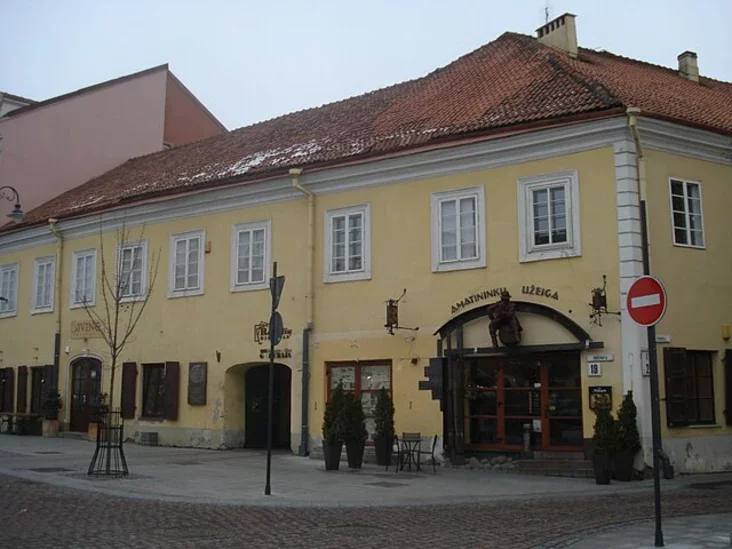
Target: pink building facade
[52,146]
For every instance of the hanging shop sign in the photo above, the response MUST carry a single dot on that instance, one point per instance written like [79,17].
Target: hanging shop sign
[83,329]
[261,332]
[495,293]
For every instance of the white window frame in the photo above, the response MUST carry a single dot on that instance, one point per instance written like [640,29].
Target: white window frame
[364,273]
[47,260]
[174,239]
[528,251]
[438,265]
[72,298]
[3,269]
[250,226]
[687,213]
[143,280]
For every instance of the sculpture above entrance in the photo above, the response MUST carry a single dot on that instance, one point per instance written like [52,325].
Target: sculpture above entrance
[504,323]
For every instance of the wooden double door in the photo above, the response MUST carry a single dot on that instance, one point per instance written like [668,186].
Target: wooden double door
[86,386]
[503,394]
[257,398]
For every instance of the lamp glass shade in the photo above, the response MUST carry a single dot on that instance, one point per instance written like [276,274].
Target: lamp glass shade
[17,214]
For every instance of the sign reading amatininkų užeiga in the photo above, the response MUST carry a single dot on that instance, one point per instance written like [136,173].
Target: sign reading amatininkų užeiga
[529,289]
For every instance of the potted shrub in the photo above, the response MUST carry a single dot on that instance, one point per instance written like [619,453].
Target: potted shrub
[354,430]
[604,440]
[52,403]
[384,427]
[628,439]
[332,430]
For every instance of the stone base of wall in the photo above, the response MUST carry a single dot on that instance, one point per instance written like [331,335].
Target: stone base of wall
[700,454]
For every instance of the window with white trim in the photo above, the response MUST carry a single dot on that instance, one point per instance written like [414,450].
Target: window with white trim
[84,278]
[549,217]
[9,290]
[458,229]
[43,284]
[348,244]
[186,264]
[250,256]
[686,213]
[132,273]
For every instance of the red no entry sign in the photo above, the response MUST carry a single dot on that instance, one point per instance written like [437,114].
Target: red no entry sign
[646,301]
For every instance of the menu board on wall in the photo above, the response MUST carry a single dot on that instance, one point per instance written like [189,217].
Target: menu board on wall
[197,374]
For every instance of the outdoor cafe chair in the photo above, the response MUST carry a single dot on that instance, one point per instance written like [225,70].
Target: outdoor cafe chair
[430,453]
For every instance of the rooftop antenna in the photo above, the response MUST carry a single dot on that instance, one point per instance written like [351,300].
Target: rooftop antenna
[546,12]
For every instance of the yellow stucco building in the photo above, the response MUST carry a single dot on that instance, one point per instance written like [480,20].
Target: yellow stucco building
[517,168]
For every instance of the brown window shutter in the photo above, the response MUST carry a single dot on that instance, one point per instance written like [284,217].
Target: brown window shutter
[9,390]
[728,385]
[172,386]
[129,388]
[674,364]
[22,405]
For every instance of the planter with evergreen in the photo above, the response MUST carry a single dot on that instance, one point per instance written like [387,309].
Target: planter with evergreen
[384,427]
[605,441]
[354,430]
[52,403]
[333,430]
[628,439]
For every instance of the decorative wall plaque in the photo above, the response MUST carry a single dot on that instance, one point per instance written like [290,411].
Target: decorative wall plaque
[601,395]
[197,374]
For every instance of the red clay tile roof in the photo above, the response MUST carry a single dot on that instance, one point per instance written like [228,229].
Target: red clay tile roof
[511,81]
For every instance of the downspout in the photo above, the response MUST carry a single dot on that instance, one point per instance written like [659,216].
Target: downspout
[305,391]
[58,297]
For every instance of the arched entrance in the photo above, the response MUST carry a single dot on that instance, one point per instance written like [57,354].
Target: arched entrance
[86,386]
[257,396]
[245,401]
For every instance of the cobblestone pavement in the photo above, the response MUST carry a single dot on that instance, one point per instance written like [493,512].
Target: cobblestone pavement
[45,516]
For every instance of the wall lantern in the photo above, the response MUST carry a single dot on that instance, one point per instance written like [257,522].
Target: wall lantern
[17,215]
[392,315]
[599,303]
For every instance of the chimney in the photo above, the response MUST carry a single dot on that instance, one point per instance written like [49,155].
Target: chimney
[688,66]
[560,34]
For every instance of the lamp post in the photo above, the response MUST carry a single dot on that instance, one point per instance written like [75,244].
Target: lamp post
[17,215]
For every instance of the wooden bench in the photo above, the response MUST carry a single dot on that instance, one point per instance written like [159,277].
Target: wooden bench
[17,423]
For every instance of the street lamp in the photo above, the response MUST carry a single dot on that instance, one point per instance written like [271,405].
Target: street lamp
[17,215]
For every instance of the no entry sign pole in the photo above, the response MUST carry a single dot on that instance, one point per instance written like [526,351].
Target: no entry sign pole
[276,284]
[650,301]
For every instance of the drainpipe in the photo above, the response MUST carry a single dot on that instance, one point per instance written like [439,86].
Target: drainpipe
[59,301]
[305,391]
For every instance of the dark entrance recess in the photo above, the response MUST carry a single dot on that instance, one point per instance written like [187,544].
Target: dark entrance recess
[256,383]
[86,385]
[488,394]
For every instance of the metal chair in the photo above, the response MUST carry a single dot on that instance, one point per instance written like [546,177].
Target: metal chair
[430,453]
[411,442]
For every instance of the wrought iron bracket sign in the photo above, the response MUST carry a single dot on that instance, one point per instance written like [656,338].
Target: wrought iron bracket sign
[392,315]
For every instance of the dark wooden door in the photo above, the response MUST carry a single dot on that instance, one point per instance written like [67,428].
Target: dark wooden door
[86,384]
[257,387]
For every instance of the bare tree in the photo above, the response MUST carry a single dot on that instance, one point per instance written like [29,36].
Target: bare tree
[124,295]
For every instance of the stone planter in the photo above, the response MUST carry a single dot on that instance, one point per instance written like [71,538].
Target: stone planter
[50,427]
[332,455]
[602,464]
[383,448]
[354,451]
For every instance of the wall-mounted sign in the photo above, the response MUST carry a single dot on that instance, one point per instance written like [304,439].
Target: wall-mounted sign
[197,375]
[601,358]
[645,363]
[594,369]
[83,329]
[663,338]
[601,395]
[495,293]
[261,332]
[279,353]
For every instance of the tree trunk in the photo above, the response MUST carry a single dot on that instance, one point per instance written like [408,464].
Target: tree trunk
[108,465]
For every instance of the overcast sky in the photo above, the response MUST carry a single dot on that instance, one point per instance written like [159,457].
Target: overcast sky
[249,61]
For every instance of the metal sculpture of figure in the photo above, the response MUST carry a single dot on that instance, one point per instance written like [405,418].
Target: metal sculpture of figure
[504,322]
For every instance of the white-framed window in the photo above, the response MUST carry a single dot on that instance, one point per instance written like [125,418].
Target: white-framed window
[549,216]
[132,270]
[687,219]
[250,256]
[348,244]
[186,264]
[44,269]
[83,278]
[458,229]
[9,290]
